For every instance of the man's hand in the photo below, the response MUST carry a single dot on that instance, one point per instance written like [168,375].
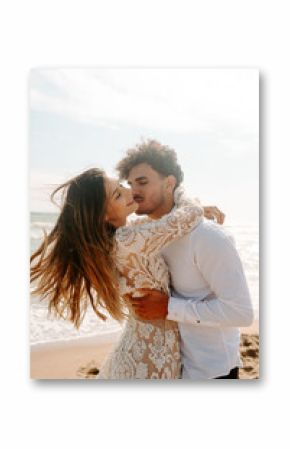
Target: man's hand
[213,213]
[152,306]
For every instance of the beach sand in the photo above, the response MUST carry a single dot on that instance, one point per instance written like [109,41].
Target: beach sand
[250,352]
[80,359]
[71,360]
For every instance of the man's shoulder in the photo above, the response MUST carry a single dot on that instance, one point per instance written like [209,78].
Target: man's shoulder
[208,232]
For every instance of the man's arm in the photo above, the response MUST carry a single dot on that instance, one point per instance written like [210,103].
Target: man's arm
[220,265]
[152,306]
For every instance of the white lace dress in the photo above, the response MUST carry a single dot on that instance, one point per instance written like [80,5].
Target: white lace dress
[149,349]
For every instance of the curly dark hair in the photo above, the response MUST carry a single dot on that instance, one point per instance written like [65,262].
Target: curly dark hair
[160,157]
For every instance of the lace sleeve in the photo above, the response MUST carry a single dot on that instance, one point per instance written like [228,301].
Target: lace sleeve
[137,221]
[181,200]
[155,235]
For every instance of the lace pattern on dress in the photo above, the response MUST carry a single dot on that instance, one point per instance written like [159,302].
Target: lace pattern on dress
[149,349]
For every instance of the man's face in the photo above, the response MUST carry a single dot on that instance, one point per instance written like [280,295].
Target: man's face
[148,188]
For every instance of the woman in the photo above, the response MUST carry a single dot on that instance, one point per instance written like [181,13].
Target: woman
[91,257]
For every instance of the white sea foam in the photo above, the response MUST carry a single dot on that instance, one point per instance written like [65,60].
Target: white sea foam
[45,328]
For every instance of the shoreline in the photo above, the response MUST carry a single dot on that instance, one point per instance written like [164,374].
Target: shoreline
[79,358]
[97,339]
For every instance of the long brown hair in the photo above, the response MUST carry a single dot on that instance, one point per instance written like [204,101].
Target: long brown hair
[74,265]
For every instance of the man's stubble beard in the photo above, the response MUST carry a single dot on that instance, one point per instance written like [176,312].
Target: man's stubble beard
[152,210]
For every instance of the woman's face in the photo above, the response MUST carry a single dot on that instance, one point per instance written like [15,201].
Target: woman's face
[120,202]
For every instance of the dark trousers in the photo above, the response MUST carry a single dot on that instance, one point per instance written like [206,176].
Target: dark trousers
[233,374]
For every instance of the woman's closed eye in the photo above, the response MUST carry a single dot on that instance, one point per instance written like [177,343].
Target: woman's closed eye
[118,192]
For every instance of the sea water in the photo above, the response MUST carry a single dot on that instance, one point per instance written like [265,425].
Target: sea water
[44,329]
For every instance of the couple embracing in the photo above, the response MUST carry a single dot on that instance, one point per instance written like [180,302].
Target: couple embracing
[174,276]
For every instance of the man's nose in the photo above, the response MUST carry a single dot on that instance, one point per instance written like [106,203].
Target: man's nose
[128,193]
[135,190]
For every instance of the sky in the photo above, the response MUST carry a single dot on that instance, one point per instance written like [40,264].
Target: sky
[82,118]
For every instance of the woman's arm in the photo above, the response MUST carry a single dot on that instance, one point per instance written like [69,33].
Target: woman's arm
[214,213]
[155,235]
[210,212]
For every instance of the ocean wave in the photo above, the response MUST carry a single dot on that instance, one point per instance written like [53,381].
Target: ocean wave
[44,328]
[39,228]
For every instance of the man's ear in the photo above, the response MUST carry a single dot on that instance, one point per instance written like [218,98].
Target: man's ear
[170,183]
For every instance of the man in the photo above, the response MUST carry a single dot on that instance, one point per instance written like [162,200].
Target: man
[209,294]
